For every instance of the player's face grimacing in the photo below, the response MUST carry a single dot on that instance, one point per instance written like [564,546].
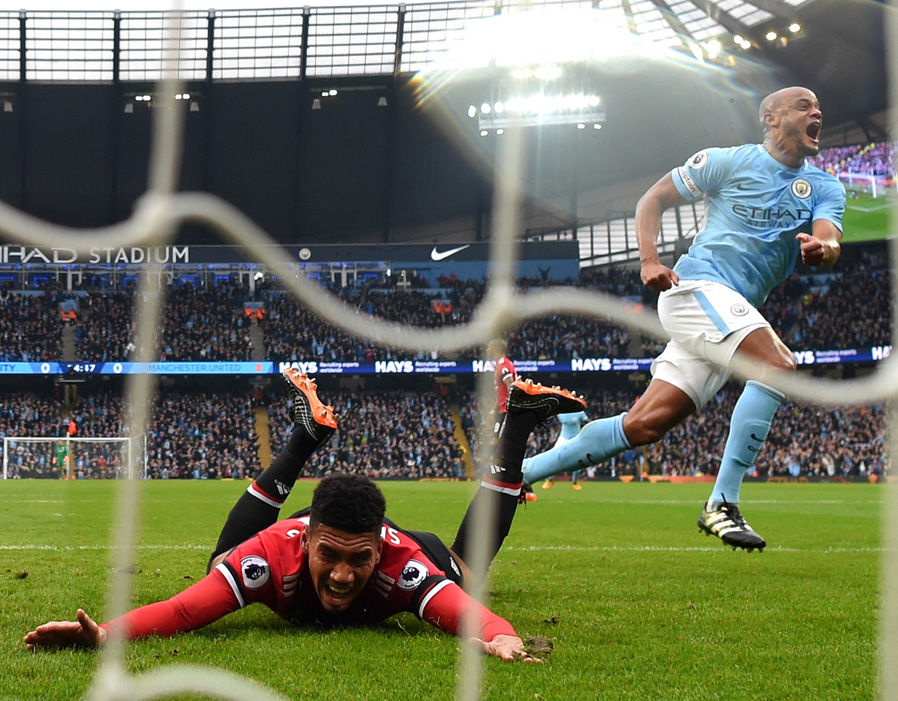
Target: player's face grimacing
[340,563]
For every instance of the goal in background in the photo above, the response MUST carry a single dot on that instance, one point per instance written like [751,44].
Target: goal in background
[73,458]
[874,185]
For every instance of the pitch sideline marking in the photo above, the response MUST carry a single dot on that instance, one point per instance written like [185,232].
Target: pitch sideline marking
[867,210]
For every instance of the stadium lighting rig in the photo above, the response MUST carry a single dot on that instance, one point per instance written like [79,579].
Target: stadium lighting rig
[778,36]
[539,110]
[149,99]
[539,95]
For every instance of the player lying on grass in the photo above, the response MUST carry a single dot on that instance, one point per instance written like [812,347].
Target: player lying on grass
[340,560]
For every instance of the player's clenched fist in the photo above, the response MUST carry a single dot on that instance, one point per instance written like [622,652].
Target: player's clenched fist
[816,251]
[658,277]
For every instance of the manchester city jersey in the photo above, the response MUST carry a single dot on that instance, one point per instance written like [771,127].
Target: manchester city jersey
[754,207]
[570,423]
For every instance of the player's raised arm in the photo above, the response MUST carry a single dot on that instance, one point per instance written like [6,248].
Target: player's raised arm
[659,197]
[83,632]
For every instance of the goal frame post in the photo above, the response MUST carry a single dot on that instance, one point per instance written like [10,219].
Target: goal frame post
[141,470]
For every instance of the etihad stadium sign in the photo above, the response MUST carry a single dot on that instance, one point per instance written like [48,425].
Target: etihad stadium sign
[396,255]
[129,255]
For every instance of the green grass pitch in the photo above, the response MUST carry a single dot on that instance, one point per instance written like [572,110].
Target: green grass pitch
[867,219]
[639,605]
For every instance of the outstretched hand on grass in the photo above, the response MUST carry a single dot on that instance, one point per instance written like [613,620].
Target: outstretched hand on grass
[84,632]
[505,647]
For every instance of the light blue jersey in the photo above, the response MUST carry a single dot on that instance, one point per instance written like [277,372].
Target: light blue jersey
[570,423]
[755,206]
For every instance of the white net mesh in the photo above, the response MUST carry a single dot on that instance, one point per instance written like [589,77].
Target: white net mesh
[161,210]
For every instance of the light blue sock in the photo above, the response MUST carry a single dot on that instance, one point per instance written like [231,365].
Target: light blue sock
[749,427]
[597,441]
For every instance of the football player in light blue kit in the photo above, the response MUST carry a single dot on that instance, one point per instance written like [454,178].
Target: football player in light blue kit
[765,206]
[570,427]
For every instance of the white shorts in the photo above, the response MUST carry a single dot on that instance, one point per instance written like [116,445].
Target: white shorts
[706,321]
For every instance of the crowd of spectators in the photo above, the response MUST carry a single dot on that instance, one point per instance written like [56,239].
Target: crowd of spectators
[203,435]
[833,159]
[398,434]
[210,323]
[205,324]
[30,326]
[293,333]
[406,434]
[197,323]
[824,311]
[804,441]
[105,332]
[875,158]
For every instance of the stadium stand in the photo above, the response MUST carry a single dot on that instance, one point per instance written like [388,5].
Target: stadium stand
[416,434]
[410,434]
[203,324]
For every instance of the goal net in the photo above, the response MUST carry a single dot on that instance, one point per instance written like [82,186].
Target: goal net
[73,458]
[164,207]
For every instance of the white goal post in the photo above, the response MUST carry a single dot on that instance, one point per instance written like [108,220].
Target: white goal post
[65,457]
[874,184]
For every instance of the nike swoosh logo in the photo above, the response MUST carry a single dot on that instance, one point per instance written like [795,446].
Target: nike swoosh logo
[440,255]
[742,186]
[755,438]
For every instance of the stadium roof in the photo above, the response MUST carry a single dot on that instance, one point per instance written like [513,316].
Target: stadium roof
[832,45]
[672,91]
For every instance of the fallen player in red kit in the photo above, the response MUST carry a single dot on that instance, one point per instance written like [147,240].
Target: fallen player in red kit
[340,560]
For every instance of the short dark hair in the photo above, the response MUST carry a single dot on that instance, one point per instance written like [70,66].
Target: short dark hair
[496,348]
[350,503]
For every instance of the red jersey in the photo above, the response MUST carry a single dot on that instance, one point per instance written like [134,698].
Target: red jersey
[270,568]
[504,376]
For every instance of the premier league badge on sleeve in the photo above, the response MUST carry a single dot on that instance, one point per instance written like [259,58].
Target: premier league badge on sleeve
[255,571]
[412,575]
[698,160]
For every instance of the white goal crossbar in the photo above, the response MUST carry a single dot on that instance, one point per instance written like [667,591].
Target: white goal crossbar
[70,457]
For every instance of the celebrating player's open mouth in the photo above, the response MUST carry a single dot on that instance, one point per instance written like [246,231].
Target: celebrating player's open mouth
[813,132]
